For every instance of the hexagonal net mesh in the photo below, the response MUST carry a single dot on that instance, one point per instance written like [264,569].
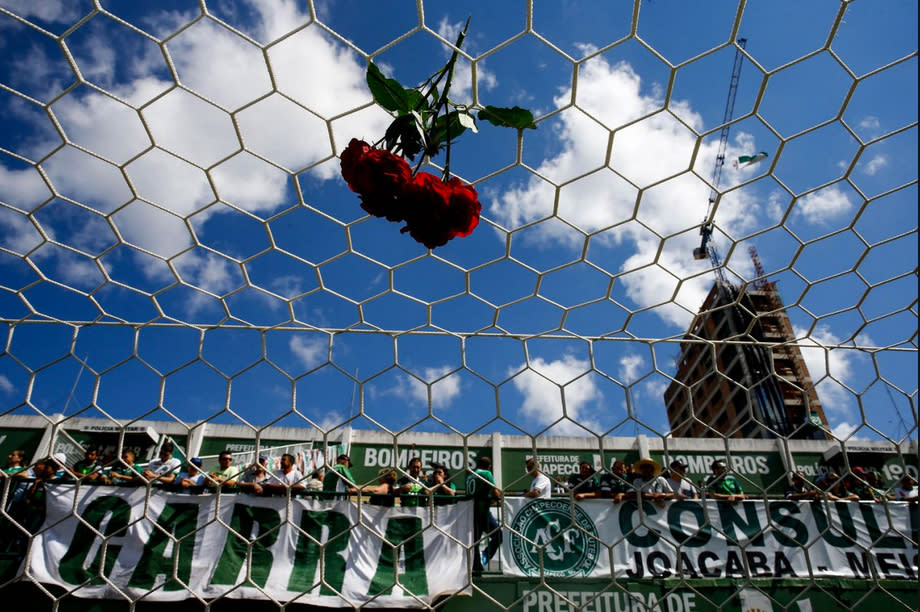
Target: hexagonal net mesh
[710,235]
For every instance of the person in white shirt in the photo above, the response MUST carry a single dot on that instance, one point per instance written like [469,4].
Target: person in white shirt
[540,486]
[287,476]
[678,484]
[163,470]
[648,483]
[908,490]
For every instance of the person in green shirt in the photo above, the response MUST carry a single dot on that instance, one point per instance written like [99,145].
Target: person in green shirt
[480,485]
[16,464]
[339,478]
[126,472]
[722,485]
[226,473]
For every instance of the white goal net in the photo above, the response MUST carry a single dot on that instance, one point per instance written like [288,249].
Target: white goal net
[710,234]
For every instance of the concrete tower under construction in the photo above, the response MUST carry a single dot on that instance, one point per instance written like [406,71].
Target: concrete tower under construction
[740,373]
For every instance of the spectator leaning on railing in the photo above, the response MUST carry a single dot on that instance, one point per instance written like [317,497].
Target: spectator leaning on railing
[286,477]
[722,485]
[339,478]
[800,488]
[125,472]
[440,485]
[255,476]
[411,487]
[163,469]
[677,483]
[540,486]
[226,473]
[191,478]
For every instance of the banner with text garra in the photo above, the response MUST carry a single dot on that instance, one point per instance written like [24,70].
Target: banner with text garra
[710,539]
[173,546]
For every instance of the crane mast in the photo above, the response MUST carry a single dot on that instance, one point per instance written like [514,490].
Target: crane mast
[705,249]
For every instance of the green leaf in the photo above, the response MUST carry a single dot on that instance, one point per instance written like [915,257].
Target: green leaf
[446,127]
[406,133]
[388,93]
[515,117]
[414,99]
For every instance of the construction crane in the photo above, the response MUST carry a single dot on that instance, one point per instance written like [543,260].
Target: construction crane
[705,249]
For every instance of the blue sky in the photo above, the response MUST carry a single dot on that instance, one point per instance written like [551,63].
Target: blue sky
[173,176]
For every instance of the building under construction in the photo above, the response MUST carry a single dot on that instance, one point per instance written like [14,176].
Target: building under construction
[740,373]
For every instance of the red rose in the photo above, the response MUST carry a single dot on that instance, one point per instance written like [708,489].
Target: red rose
[436,211]
[380,179]
[378,176]
[464,207]
[351,157]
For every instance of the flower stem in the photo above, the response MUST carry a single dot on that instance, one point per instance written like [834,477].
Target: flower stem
[442,102]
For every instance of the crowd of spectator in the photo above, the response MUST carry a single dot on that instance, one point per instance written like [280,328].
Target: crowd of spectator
[643,480]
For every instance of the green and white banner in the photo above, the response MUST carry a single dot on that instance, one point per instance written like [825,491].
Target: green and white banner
[172,546]
[709,539]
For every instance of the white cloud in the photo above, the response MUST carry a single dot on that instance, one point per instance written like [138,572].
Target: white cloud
[462,84]
[6,386]
[824,205]
[870,122]
[228,70]
[656,153]
[830,369]
[630,367]
[103,125]
[844,431]
[55,11]
[309,351]
[546,384]
[250,183]
[875,164]
[87,179]
[219,64]
[17,233]
[443,390]
[23,189]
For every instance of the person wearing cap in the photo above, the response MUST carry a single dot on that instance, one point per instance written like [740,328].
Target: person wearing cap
[677,482]
[722,485]
[411,487]
[540,486]
[339,478]
[255,476]
[191,477]
[649,484]
[126,472]
[62,470]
